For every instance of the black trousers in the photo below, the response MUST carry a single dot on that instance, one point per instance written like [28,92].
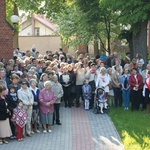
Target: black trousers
[56,113]
[135,99]
[67,98]
[92,100]
[78,94]
[117,97]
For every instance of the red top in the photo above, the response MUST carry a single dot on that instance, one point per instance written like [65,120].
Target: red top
[133,82]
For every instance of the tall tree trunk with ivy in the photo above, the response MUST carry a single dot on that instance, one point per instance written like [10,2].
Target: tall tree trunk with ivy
[139,40]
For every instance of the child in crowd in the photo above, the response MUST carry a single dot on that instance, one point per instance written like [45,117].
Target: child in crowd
[20,119]
[86,91]
[13,99]
[102,99]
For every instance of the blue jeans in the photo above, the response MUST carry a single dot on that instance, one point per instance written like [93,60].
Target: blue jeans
[126,98]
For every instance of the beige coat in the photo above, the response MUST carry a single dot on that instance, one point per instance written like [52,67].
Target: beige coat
[115,79]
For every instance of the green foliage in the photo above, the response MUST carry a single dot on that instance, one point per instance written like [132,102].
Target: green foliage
[30,6]
[9,10]
[79,21]
[82,21]
[133,128]
[72,31]
[130,12]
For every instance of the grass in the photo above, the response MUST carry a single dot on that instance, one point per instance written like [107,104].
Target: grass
[133,127]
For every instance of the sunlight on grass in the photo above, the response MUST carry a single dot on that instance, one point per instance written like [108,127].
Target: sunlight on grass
[133,127]
[129,141]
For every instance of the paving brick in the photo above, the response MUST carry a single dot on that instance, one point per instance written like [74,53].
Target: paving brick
[80,130]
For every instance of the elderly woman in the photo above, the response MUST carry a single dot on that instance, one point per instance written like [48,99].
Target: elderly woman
[35,114]
[103,80]
[47,100]
[26,96]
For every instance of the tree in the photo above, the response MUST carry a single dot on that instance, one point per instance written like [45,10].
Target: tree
[79,22]
[134,13]
[100,20]
[82,23]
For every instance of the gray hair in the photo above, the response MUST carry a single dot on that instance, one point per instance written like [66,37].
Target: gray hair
[108,69]
[47,83]
[32,80]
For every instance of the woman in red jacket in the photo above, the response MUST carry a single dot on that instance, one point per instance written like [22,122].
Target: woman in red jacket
[136,85]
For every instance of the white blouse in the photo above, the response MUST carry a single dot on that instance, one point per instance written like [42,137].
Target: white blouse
[103,81]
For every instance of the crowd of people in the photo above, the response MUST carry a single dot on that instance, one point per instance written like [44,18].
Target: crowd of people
[33,86]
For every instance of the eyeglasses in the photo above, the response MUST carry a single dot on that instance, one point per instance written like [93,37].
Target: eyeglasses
[24,83]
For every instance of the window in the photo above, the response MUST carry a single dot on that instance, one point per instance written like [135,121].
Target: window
[37,31]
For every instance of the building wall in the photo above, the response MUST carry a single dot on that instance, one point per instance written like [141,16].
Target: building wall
[41,43]
[43,29]
[6,34]
[26,32]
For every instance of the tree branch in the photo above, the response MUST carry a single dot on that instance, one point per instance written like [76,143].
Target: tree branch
[102,43]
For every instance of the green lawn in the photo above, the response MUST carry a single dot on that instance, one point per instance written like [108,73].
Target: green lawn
[133,127]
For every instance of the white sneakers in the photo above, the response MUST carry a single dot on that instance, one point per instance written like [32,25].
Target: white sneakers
[37,131]
[44,131]
[126,108]
[50,131]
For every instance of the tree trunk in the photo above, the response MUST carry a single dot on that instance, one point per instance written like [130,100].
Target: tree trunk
[139,40]
[96,50]
[108,40]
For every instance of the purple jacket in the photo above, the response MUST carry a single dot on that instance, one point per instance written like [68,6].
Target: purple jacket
[45,98]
